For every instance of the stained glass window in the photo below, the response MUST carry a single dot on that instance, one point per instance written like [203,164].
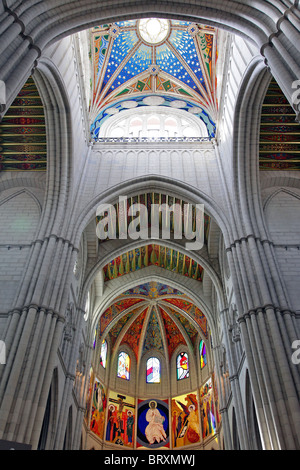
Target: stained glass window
[182,366]
[103,353]
[203,358]
[124,366]
[87,307]
[153,371]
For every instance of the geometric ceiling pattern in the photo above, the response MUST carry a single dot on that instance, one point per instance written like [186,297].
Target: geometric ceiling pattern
[174,68]
[148,318]
[153,255]
[279,147]
[23,132]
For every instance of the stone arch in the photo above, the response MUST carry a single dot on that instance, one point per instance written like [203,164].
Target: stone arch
[14,203]
[154,183]
[50,22]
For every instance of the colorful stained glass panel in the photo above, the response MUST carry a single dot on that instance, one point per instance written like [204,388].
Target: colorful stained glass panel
[103,353]
[153,370]
[124,366]
[182,366]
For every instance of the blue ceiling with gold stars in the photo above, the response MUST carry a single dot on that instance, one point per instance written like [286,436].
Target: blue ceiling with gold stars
[137,59]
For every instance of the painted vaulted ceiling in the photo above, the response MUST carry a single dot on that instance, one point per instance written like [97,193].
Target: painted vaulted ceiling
[153,255]
[279,146]
[23,132]
[154,62]
[151,317]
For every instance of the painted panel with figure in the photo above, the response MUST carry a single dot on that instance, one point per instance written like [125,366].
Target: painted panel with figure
[99,403]
[120,425]
[89,396]
[153,424]
[208,409]
[185,420]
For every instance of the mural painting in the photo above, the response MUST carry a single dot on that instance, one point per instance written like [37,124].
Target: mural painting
[153,424]
[99,403]
[120,425]
[89,395]
[185,420]
[208,409]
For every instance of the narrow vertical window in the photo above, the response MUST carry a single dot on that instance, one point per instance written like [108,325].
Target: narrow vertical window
[103,353]
[202,351]
[153,371]
[182,366]
[95,338]
[124,366]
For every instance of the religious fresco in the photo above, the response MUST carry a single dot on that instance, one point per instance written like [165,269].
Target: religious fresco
[193,311]
[129,66]
[120,423]
[133,335]
[153,424]
[208,410]
[153,255]
[89,395]
[99,402]
[152,290]
[132,320]
[173,334]
[153,337]
[185,421]
[187,325]
[114,310]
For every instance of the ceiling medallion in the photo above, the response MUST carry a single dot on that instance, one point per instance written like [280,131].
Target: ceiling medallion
[193,29]
[114,31]
[153,30]
[154,69]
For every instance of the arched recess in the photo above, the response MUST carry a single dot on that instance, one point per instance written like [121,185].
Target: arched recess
[59,138]
[133,328]
[252,143]
[20,213]
[59,174]
[153,183]
[246,148]
[254,241]
[264,24]
[153,275]
[49,244]
[247,206]
[282,212]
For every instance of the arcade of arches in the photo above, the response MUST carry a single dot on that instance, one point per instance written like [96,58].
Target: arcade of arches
[150,234]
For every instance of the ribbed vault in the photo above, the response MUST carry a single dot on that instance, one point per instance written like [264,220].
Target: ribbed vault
[153,317]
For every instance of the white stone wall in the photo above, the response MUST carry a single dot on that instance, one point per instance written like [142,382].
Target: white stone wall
[282,211]
[20,212]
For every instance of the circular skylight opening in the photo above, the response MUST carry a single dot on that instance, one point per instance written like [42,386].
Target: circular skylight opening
[154,30]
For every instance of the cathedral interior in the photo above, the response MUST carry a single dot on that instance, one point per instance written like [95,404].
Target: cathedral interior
[150,225]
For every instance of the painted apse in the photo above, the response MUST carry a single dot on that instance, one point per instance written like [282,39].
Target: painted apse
[159,323]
